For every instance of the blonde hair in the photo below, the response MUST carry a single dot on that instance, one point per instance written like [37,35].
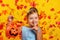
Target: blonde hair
[31,11]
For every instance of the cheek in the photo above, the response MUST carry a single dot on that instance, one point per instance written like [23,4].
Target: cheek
[36,19]
[30,21]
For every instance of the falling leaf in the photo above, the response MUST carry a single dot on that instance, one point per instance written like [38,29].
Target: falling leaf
[1,26]
[42,15]
[47,1]
[58,22]
[25,7]
[51,25]
[4,12]
[20,7]
[33,4]
[3,5]
[0,14]
[49,17]
[1,1]
[50,37]
[25,18]
[0,33]
[52,9]
[1,37]
[58,12]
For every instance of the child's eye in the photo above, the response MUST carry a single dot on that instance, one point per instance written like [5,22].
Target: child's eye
[35,17]
[31,18]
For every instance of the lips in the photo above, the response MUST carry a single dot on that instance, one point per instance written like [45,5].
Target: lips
[35,23]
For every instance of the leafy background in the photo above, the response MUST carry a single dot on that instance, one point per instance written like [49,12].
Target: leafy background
[49,16]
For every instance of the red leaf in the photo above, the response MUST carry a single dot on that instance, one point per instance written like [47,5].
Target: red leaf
[42,15]
[44,23]
[47,1]
[1,26]
[55,17]
[20,7]
[16,1]
[25,7]
[3,5]
[7,4]
[58,22]
[57,38]
[51,37]
[25,18]
[4,11]
[0,1]
[49,17]
[43,32]
[52,25]
[0,14]
[1,38]
[33,4]
[52,9]
[0,33]
[58,12]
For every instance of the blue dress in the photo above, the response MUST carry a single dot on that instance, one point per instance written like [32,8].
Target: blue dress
[28,33]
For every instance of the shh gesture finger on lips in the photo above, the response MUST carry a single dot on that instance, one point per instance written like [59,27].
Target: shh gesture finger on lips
[35,26]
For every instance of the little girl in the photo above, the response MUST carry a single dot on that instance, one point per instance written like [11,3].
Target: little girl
[32,32]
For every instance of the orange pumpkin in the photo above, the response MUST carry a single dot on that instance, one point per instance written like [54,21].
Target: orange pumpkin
[12,31]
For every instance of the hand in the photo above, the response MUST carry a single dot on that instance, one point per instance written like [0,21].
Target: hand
[35,27]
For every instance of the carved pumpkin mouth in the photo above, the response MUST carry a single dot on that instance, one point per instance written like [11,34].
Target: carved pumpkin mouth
[13,32]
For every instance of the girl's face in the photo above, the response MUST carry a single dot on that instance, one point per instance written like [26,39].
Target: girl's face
[33,19]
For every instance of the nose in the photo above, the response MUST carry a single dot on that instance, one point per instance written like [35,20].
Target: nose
[34,21]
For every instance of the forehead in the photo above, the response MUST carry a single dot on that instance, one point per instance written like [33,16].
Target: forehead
[33,14]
